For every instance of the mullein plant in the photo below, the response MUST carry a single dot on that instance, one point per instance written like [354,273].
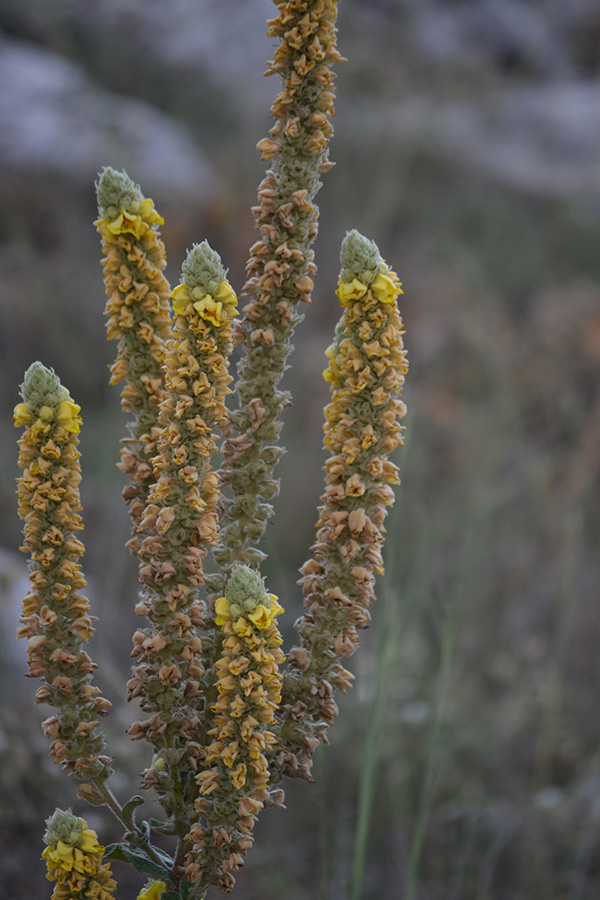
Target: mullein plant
[226,718]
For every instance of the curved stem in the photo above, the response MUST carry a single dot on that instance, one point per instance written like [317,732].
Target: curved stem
[117,810]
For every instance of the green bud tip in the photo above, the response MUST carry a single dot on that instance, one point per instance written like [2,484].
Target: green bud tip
[359,257]
[246,588]
[115,192]
[203,268]
[42,387]
[63,826]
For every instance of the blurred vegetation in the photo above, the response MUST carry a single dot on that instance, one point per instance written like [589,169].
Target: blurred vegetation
[466,763]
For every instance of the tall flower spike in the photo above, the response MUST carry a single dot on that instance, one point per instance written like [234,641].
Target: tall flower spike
[366,371]
[74,859]
[138,312]
[180,522]
[233,780]
[56,618]
[280,269]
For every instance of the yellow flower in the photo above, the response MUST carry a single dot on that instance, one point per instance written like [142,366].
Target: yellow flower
[242,627]
[210,310]
[222,610]
[149,213]
[350,290]
[88,841]
[181,299]
[21,415]
[67,416]
[386,288]
[153,891]
[125,223]
[66,858]
[332,373]
[226,294]
[262,617]
[208,307]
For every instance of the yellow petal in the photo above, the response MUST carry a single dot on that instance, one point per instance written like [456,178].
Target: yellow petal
[209,310]
[67,416]
[263,617]
[125,223]
[222,610]
[259,616]
[226,294]
[350,290]
[385,288]
[149,213]
[88,842]
[64,855]
[152,892]
[181,299]
[242,627]
[21,415]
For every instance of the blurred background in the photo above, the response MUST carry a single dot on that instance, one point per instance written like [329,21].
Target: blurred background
[466,763]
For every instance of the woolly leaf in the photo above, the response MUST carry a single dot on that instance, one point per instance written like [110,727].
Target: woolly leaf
[130,808]
[138,859]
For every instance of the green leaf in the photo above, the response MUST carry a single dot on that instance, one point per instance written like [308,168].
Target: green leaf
[162,827]
[170,895]
[138,859]
[131,806]
[164,856]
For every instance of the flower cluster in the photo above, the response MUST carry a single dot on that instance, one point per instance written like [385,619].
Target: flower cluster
[232,783]
[180,521]
[138,313]
[74,860]
[367,366]
[224,723]
[280,268]
[56,618]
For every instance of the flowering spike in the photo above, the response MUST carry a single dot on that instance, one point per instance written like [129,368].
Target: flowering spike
[74,859]
[180,522]
[366,370]
[233,780]
[139,318]
[55,617]
[281,268]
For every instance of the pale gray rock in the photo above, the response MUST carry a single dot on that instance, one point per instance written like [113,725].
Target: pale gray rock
[56,120]
[540,140]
